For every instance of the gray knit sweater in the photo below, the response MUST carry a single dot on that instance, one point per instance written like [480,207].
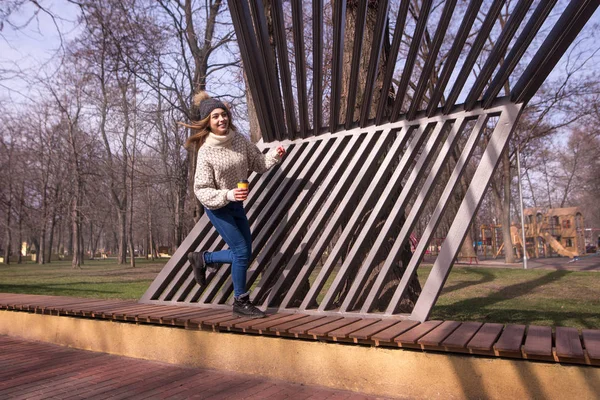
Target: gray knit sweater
[223,162]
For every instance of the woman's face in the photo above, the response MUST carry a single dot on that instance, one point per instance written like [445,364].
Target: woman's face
[219,121]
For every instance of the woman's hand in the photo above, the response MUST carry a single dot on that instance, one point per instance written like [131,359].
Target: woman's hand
[280,151]
[240,194]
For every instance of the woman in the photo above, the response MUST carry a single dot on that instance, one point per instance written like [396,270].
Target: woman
[224,158]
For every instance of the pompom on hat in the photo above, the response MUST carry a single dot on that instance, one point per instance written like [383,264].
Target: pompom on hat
[206,104]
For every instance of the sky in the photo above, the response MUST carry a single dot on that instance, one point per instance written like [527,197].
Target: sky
[34,44]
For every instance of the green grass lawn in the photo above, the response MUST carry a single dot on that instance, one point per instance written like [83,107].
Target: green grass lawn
[103,279]
[539,297]
[532,297]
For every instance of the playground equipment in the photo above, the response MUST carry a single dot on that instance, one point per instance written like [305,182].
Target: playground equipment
[331,223]
[547,232]
[555,230]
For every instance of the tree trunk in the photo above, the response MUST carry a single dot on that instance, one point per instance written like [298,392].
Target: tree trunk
[51,238]
[122,236]
[509,256]
[76,229]
[131,178]
[8,237]
[149,235]
[466,249]
[41,253]
[21,206]
[60,247]
[501,195]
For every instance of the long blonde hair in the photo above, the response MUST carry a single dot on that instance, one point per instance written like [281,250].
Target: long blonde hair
[201,127]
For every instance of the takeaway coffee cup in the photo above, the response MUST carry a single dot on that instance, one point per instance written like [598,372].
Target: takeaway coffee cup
[243,184]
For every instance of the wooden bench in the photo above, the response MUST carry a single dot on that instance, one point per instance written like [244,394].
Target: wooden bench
[536,343]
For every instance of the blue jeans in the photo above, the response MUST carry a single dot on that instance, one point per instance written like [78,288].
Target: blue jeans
[232,224]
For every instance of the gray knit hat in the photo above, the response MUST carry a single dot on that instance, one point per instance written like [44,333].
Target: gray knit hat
[208,105]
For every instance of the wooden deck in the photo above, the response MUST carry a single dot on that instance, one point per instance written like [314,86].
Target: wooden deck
[33,370]
[559,344]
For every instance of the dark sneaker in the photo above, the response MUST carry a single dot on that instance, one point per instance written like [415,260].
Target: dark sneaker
[199,266]
[242,307]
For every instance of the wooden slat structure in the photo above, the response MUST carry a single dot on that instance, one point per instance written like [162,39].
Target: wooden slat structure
[541,343]
[380,144]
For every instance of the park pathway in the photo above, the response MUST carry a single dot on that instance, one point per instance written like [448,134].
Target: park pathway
[33,370]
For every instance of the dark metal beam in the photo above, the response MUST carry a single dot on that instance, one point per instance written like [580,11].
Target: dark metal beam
[374,58]
[453,55]
[411,58]
[426,77]
[518,50]
[339,24]
[361,19]
[391,65]
[284,68]
[298,31]
[267,69]
[467,68]
[550,52]
[242,22]
[317,21]
[509,30]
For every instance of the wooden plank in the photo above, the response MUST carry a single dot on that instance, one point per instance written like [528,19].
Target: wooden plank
[461,336]
[99,309]
[368,331]
[411,336]
[510,341]
[388,335]
[151,313]
[182,319]
[40,303]
[76,303]
[437,335]
[262,326]
[247,324]
[325,329]
[591,340]
[131,311]
[484,339]
[344,331]
[568,345]
[232,319]
[107,312]
[284,326]
[214,319]
[110,312]
[80,308]
[304,328]
[205,318]
[538,343]
[230,325]
[88,308]
[155,315]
